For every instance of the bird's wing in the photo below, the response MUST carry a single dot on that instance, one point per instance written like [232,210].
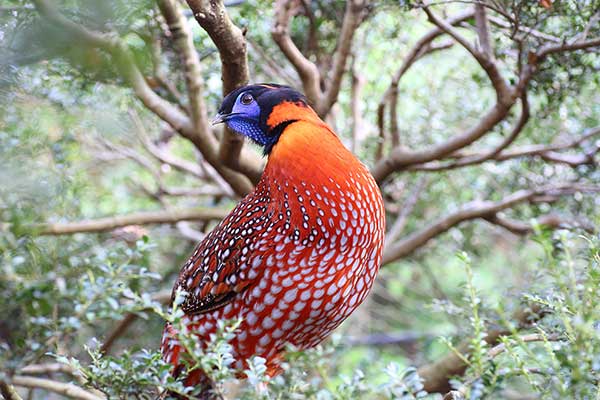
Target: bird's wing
[220,267]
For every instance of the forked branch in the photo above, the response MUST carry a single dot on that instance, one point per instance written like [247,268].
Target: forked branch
[352,18]
[475,210]
[480,158]
[307,70]
[321,89]
[401,158]
[485,58]
[184,41]
[422,47]
[229,39]
[550,153]
[431,159]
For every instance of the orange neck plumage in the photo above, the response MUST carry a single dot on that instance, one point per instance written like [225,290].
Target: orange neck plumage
[307,150]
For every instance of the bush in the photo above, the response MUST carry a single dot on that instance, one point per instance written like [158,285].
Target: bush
[56,293]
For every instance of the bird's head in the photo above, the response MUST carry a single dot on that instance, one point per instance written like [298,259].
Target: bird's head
[261,112]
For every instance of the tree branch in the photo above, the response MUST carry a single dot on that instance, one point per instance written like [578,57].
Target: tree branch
[50,368]
[559,48]
[188,232]
[436,376]
[352,19]
[552,221]
[214,19]
[184,41]
[420,49]
[123,61]
[321,98]
[536,57]
[270,66]
[528,31]
[126,152]
[532,337]
[307,70]
[229,39]
[480,158]
[407,208]
[166,157]
[66,389]
[400,158]
[160,75]
[474,210]
[486,62]
[138,218]
[483,33]
[8,392]
[548,153]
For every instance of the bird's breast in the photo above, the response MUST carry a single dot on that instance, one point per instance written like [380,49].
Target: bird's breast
[320,261]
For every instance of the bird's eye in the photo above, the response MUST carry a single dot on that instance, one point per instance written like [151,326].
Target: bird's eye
[247,99]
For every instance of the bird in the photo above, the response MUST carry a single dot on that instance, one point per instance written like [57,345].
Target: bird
[298,254]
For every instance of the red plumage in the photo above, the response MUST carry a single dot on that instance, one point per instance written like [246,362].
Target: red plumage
[296,256]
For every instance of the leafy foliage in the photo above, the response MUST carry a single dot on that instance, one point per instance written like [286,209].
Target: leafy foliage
[557,356]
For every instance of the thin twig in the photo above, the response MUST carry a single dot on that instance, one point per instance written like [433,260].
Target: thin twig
[407,208]
[549,153]
[121,328]
[532,337]
[436,376]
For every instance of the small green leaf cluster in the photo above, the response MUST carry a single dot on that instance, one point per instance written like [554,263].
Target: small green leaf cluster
[554,352]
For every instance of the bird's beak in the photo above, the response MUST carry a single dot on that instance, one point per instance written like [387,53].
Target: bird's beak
[218,119]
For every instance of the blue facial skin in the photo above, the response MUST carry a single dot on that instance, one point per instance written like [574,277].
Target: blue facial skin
[244,119]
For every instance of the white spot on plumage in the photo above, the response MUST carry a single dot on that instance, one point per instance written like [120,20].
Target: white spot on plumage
[305,295]
[299,306]
[290,295]
[277,313]
[269,299]
[276,289]
[251,318]
[268,323]
[287,325]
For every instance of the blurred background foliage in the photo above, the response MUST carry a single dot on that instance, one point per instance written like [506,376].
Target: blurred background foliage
[72,148]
